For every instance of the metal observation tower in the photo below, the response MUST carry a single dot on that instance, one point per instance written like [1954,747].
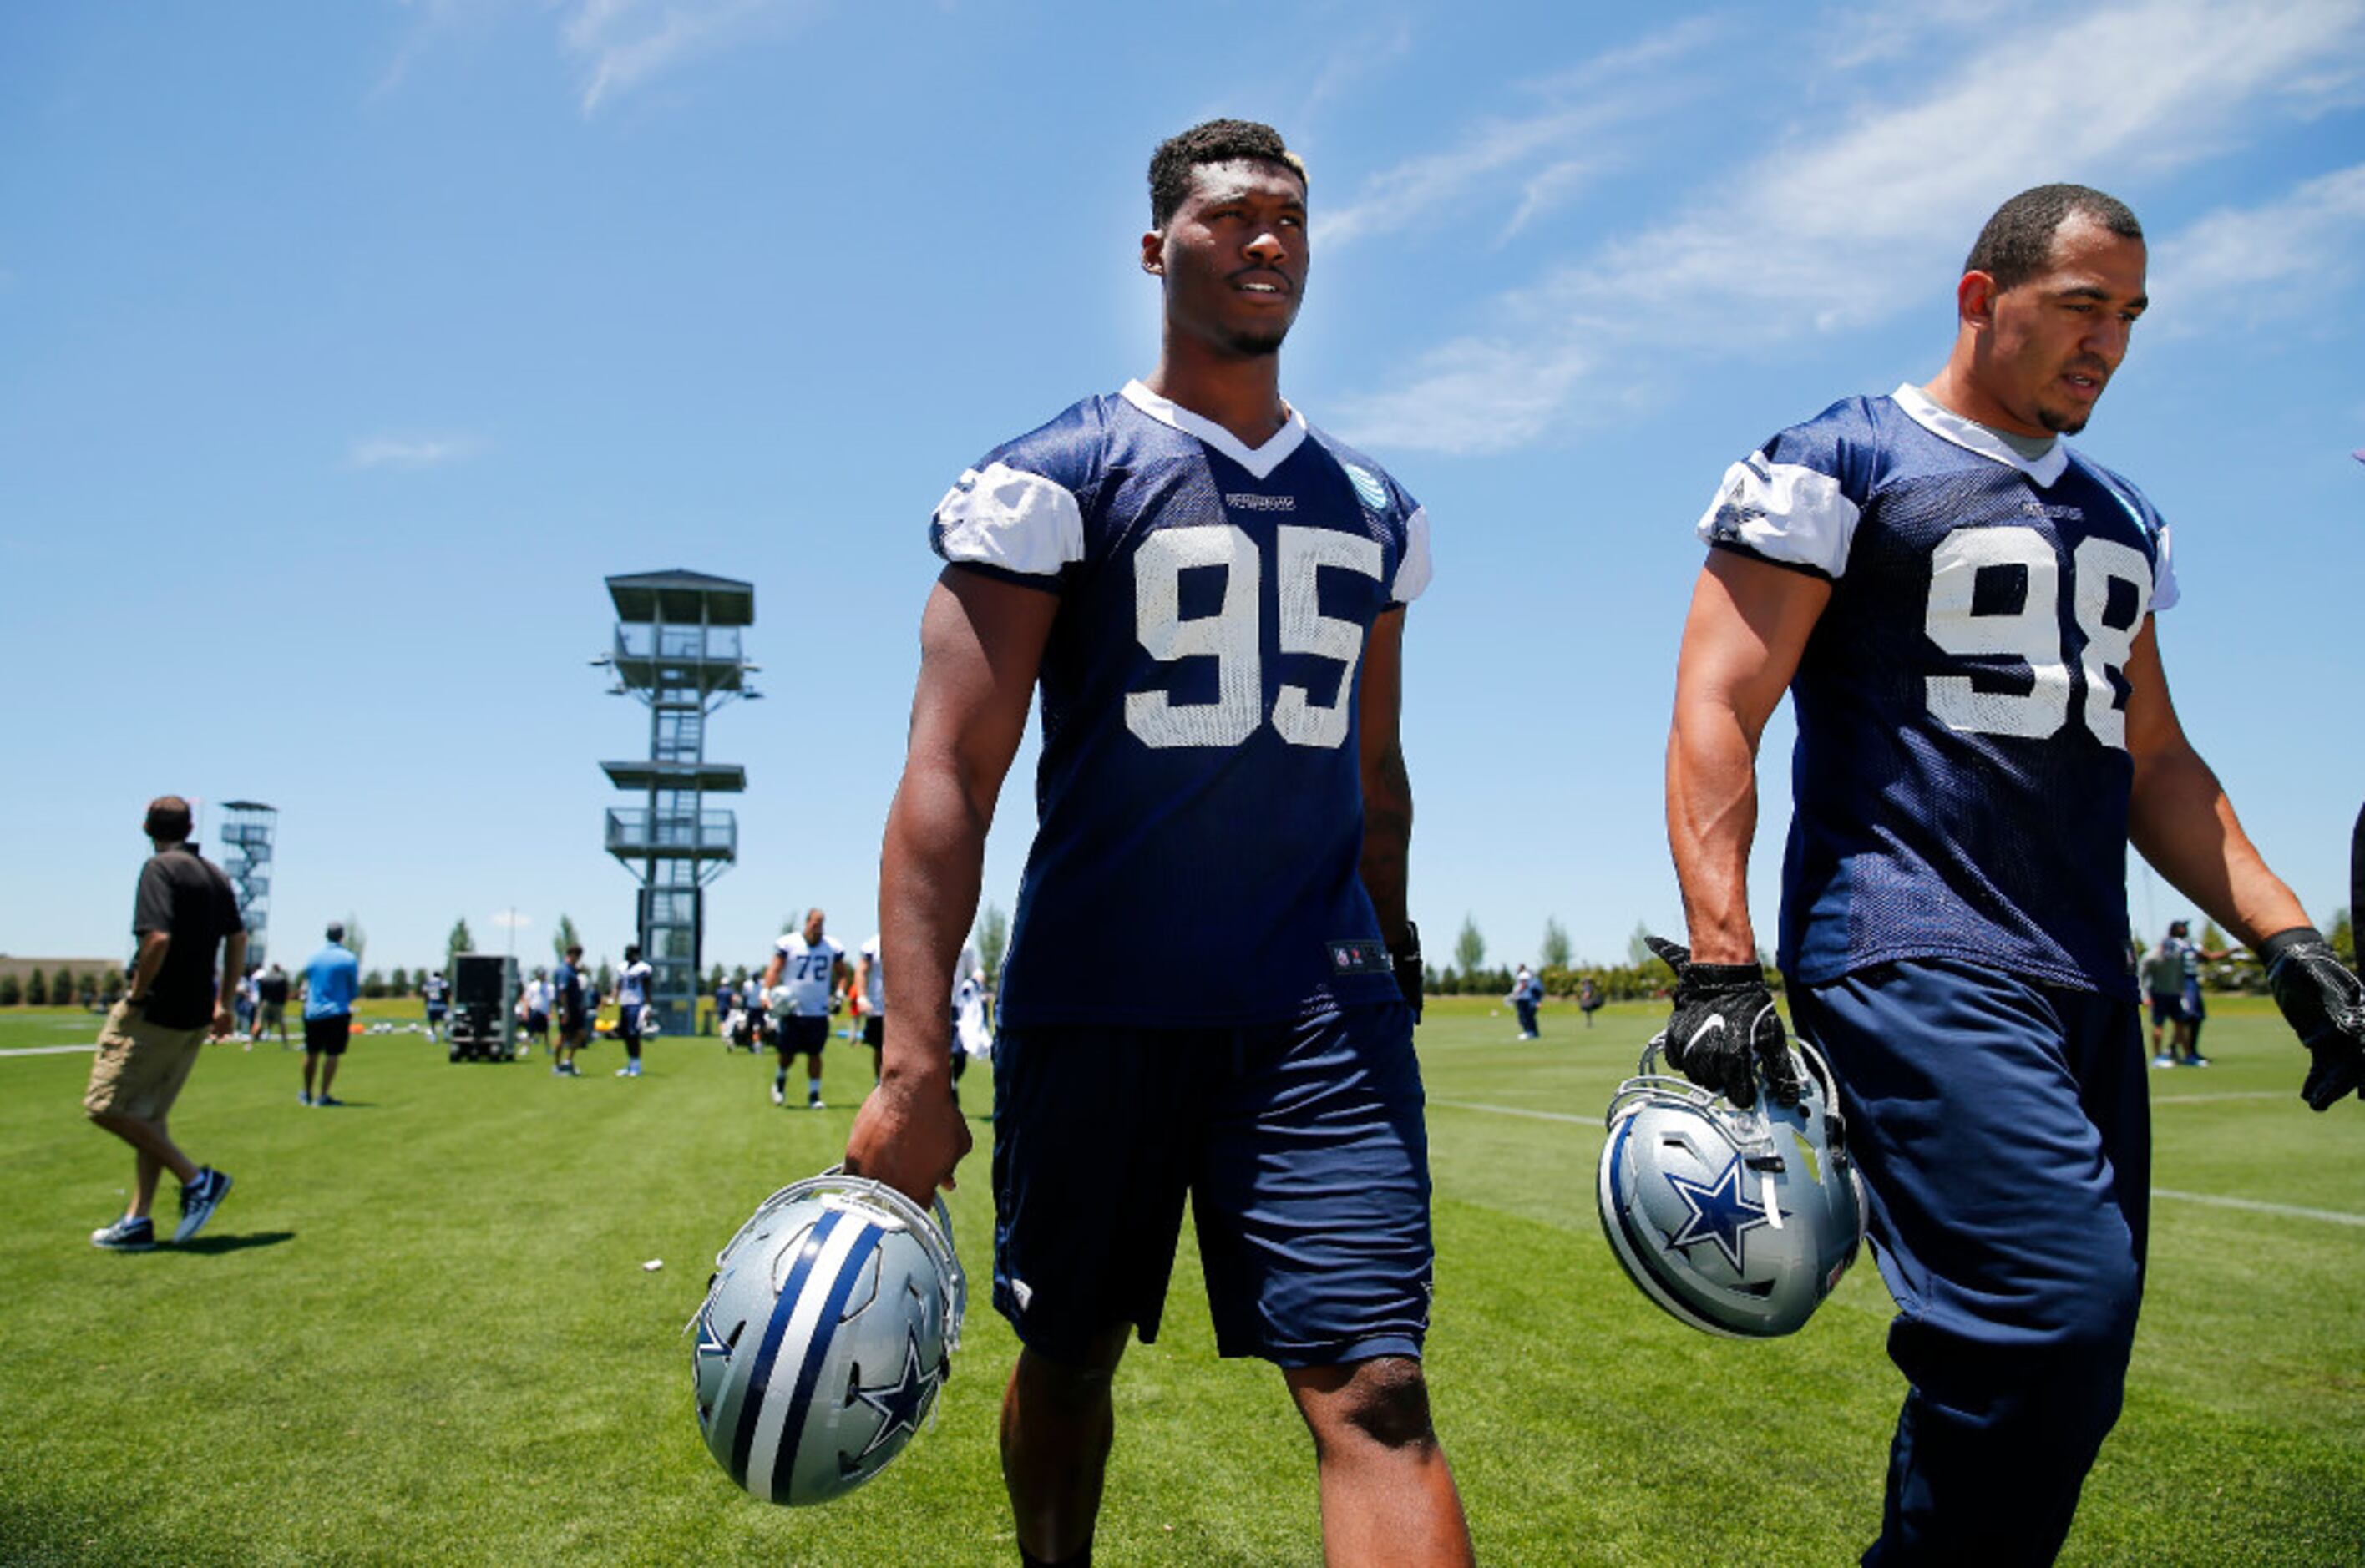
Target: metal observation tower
[247,829]
[677,650]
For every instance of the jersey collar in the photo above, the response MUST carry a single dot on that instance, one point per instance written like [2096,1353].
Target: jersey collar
[1258,461]
[1972,436]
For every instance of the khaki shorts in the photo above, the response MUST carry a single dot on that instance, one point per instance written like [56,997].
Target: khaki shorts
[141,1066]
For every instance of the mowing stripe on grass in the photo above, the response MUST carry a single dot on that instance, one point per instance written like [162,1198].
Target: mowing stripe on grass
[2289,1211]
[2229,1094]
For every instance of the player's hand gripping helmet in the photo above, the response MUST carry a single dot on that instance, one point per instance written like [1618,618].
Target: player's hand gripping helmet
[1737,1222]
[828,1329]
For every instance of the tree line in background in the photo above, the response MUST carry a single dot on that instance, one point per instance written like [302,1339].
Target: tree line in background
[1641,976]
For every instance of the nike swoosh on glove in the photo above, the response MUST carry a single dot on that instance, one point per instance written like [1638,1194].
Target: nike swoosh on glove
[1724,1023]
[2325,1005]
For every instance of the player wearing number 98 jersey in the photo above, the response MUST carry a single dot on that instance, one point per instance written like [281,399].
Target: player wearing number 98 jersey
[1962,774]
[1962,610]
[1198,708]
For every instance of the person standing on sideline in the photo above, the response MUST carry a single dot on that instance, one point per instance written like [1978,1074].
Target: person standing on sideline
[801,982]
[722,995]
[2163,978]
[1211,594]
[1588,999]
[248,999]
[271,1009]
[1963,611]
[870,1000]
[437,994]
[1527,995]
[183,915]
[533,1008]
[332,981]
[571,1004]
[632,1001]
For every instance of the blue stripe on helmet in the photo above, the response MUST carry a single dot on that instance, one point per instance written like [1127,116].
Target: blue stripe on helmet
[751,1405]
[817,1347]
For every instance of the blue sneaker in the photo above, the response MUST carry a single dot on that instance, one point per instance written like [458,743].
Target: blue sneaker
[198,1201]
[126,1235]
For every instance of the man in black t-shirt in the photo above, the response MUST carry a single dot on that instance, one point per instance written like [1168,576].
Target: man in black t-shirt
[272,1012]
[184,915]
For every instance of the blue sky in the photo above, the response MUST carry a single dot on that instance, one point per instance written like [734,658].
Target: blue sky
[345,348]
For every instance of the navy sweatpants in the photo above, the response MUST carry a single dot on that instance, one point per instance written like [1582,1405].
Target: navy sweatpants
[2004,1129]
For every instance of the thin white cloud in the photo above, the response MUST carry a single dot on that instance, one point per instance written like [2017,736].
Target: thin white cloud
[2309,235]
[1839,230]
[617,45]
[1536,157]
[411,452]
[623,43]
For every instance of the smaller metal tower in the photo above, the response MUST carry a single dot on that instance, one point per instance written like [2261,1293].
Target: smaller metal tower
[677,650]
[247,828]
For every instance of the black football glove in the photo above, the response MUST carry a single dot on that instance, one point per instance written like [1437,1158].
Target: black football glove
[1406,964]
[2325,1005]
[1724,1021]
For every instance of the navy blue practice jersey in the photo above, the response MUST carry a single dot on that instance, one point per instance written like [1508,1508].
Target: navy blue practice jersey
[1199,802]
[1962,773]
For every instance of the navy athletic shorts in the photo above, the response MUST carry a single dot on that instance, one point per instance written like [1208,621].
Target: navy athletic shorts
[1300,1145]
[798,1033]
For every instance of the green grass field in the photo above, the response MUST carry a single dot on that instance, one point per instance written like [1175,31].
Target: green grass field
[420,1331]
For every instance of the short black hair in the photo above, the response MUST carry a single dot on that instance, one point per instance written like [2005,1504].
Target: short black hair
[2017,244]
[1216,142]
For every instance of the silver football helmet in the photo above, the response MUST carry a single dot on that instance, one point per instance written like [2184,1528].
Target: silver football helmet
[1737,1222]
[828,1329]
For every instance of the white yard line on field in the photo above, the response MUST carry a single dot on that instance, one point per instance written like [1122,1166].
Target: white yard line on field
[2289,1211]
[1517,1111]
[45,1050]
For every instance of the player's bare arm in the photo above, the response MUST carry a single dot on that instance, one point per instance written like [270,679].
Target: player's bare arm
[2180,818]
[981,646]
[1387,789]
[1742,639]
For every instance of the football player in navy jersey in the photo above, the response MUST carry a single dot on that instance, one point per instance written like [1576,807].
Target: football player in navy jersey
[1962,610]
[1211,977]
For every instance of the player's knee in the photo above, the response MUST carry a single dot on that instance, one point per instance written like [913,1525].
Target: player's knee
[1384,1401]
[1069,1386]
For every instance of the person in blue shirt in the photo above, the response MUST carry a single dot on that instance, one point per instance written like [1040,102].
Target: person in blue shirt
[436,992]
[1210,985]
[332,981]
[1961,609]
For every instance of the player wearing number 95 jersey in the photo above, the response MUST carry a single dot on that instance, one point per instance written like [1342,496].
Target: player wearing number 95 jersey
[1200,998]
[1962,610]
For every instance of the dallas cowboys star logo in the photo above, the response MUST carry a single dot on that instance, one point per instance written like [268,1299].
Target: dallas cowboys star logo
[901,1403]
[1720,1212]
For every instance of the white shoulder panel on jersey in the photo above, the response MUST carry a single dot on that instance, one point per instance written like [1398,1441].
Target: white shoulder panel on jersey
[1787,511]
[1413,569]
[2164,592]
[1004,517]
